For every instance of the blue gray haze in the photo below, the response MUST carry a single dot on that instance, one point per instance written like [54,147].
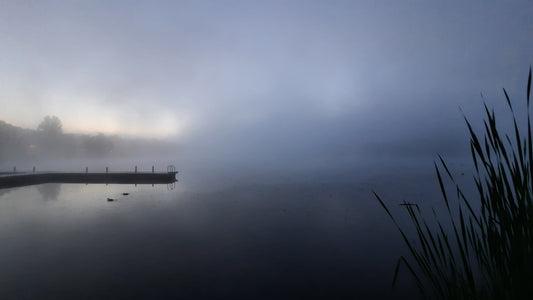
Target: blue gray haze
[282,118]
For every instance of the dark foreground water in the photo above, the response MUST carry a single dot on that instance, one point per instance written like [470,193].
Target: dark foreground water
[242,236]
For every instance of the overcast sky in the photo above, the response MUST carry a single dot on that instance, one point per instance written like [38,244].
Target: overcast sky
[264,72]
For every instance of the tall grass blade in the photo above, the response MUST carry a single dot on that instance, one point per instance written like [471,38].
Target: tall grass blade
[528,86]
[486,251]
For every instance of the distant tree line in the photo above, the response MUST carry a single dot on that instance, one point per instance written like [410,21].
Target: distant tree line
[49,141]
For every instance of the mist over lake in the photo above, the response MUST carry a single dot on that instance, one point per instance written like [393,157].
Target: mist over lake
[281,119]
[223,230]
[251,234]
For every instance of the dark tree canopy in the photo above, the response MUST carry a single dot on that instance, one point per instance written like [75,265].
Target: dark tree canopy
[98,145]
[50,125]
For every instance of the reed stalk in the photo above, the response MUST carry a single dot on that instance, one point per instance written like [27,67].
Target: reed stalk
[484,249]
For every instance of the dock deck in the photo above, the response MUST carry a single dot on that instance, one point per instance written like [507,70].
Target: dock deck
[8,180]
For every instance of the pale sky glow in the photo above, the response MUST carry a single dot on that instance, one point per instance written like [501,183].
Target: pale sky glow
[187,69]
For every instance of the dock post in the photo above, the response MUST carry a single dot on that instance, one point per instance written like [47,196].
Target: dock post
[86,169]
[107,169]
[15,169]
[33,169]
[152,169]
[135,169]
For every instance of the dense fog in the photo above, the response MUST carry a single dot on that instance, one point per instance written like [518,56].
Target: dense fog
[49,147]
[267,83]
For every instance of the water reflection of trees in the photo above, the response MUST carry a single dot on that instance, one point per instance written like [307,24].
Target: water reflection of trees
[4,191]
[49,191]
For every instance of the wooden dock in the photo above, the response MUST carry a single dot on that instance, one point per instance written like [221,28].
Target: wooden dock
[8,180]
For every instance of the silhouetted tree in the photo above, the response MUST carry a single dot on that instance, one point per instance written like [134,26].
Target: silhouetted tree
[13,141]
[50,126]
[98,145]
[49,137]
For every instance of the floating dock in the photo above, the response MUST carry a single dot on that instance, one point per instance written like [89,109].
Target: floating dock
[8,180]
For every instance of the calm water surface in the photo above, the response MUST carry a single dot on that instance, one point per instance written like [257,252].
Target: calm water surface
[245,237]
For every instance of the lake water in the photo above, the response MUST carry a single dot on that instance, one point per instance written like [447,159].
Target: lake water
[217,234]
